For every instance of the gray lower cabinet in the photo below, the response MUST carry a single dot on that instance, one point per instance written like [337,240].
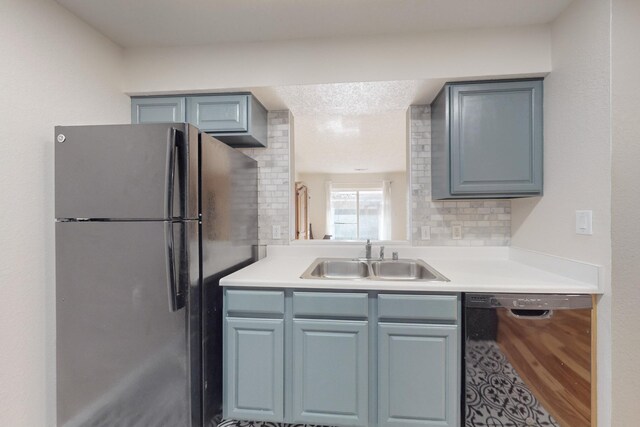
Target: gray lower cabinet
[486,140]
[168,109]
[342,358]
[330,372]
[254,369]
[417,375]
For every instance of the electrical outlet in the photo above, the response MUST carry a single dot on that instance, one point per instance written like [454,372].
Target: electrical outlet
[425,232]
[456,231]
[275,232]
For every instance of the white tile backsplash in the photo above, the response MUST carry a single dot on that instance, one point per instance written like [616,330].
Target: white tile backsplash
[274,184]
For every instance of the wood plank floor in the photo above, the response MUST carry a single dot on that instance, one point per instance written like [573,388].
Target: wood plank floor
[553,356]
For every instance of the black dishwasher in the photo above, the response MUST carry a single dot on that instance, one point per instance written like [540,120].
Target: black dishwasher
[528,360]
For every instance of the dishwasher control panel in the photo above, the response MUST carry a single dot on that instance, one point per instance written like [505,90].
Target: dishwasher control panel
[528,301]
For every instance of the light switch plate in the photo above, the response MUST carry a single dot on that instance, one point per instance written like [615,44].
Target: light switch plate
[584,222]
[275,232]
[425,232]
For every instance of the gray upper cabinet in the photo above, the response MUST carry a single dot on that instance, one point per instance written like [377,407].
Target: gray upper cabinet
[238,119]
[487,140]
[158,110]
[219,113]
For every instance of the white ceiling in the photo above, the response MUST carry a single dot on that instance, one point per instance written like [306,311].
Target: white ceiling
[134,23]
[336,144]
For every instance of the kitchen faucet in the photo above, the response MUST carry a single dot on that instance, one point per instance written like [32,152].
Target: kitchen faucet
[367,252]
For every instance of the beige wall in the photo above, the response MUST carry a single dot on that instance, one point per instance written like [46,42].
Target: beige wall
[625,282]
[577,166]
[318,201]
[577,160]
[54,70]
[443,54]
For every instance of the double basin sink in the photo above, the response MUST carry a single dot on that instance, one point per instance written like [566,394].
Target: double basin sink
[372,269]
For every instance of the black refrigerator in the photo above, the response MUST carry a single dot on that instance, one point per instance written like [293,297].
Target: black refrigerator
[148,219]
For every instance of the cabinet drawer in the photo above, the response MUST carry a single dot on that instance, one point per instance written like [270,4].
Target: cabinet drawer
[327,304]
[254,302]
[418,307]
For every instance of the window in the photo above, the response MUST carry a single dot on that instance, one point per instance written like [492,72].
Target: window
[357,214]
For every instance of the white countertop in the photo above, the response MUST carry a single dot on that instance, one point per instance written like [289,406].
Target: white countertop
[489,269]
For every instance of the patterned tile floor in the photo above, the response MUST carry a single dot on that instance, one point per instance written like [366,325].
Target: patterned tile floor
[496,396]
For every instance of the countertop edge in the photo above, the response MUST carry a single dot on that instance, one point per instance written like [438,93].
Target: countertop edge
[496,270]
[398,286]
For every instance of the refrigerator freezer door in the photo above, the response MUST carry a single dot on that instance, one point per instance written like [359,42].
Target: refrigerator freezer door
[123,171]
[123,357]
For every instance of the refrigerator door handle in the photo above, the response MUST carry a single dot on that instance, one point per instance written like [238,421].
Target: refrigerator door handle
[176,300]
[170,168]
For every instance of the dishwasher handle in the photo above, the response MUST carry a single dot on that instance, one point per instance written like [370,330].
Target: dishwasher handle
[530,314]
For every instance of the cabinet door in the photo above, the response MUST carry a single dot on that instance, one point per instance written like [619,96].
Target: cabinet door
[254,369]
[496,138]
[418,375]
[218,113]
[157,110]
[330,372]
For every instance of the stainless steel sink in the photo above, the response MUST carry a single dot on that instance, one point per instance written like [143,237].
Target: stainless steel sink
[360,269]
[329,268]
[406,269]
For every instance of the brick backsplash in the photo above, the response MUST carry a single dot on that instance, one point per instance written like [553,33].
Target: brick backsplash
[484,222]
[274,178]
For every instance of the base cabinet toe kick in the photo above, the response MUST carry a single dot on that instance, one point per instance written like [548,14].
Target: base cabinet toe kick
[342,358]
